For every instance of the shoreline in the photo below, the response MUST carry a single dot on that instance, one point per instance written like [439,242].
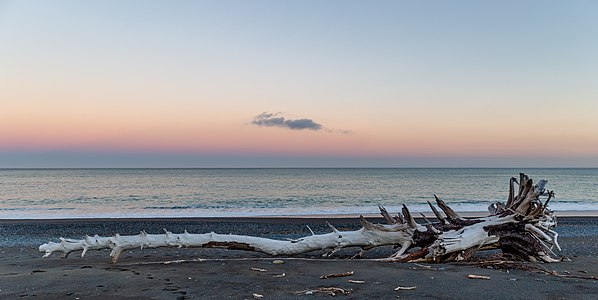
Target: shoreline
[268,220]
[373,216]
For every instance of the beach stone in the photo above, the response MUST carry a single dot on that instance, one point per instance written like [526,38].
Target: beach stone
[278,262]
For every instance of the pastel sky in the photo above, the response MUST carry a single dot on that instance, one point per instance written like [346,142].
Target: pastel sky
[337,83]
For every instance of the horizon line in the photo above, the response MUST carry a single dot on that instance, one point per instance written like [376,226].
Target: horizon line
[281,167]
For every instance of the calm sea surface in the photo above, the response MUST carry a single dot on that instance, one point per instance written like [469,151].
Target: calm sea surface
[93,193]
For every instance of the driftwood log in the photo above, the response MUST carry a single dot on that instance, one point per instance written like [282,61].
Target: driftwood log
[522,227]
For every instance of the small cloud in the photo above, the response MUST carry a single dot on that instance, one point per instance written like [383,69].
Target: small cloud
[342,131]
[275,120]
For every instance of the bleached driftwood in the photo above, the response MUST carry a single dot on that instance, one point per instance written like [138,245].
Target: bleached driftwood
[522,227]
[369,236]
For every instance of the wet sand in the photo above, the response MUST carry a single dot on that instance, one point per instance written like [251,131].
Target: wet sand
[225,274]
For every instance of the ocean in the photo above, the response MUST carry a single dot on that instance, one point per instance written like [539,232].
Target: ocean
[157,193]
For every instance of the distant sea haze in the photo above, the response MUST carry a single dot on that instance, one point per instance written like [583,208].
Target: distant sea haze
[152,193]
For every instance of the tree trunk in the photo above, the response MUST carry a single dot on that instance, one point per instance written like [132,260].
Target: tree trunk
[521,227]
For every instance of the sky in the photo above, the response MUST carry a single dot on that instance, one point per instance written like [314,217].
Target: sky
[298,84]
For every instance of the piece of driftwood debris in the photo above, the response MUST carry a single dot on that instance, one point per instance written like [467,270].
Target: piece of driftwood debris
[356,281]
[280,275]
[473,276]
[523,227]
[332,291]
[336,275]
[259,269]
[257,296]
[423,266]
[405,288]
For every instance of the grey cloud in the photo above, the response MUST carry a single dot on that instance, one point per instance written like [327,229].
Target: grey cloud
[275,120]
[302,124]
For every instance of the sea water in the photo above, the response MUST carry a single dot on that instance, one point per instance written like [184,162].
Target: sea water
[140,193]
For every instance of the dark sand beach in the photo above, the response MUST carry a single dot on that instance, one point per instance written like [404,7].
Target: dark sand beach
[225,274]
